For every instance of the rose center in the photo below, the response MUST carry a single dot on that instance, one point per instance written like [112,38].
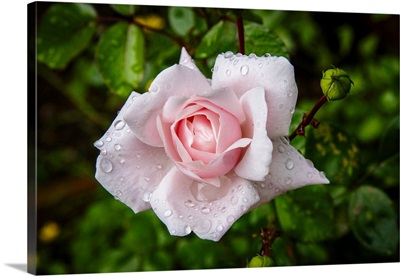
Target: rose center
[202,132]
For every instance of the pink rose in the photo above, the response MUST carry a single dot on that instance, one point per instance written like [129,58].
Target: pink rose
[201,153]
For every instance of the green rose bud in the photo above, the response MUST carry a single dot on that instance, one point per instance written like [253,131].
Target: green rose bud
[260,261]
[335,84]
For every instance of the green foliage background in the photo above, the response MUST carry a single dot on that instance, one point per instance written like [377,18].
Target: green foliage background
[91,56]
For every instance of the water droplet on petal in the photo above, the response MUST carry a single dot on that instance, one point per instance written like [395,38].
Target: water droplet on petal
[106,165]
[235,62]
[118,194]
[228,54]
[322,174]
[117,147]
[281,149]
[205,210]
[147,196]
[252,55]
[103,152]
[230,219]
[121,179]
[228,72]
[245,200]
[159,167]
[288,181]
[108,139]
[190,217]
[309,174]
[167,213]
[292,110]
[173,231]
[310,163]
[154,88]
[244,70]
[189,203]
[260,65]
[138,155]
[188,229]
[262,185]
[147,179]
[220,228]
[234,200]
[119,125]
[98,143]
[289,164]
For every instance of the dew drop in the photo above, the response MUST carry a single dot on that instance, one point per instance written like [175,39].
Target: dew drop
[121,179]
[147,196]
[119,125]
[106,165]
[117,147]
[239,54]
[189,203]
[108,139]
[230,219]
[138,155]
[245,200]
[244,70]
[228,72]
[205,210]
[147,179]
[188,229]
[262,185]
[103,152]
[228,54]
[180,216]
[260,65]
[167,213]
[243,208]
[252,55]
[190,217]
[98,143]
[154,88]
[289,164]
[310,163]
[168,86]
[118,194]
[235,62]
[159,167]
[220,228]
[173,231]
[292,110]
[288,180]
[290,94]
[309,174]
[281,149]
[322,175]
[234,200]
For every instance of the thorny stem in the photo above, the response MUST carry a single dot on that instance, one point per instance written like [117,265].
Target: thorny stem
[308,118]
[240,27]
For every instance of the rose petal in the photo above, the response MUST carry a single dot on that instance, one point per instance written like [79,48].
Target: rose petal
[289,170]
[187,60]
[128,168]
[180,205]
[254,165]
[275,74]
[177,80]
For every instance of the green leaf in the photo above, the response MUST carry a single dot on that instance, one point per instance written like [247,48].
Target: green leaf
[120,56]
[126,10]
[335,151]
[260,40]
[220,38]
[181,19]
[283,252]
[311,253]
[64,32]
[306,214]
[373,220]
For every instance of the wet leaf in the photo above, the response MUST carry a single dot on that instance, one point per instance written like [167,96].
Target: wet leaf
[120,57]
[64,32]
[373,220]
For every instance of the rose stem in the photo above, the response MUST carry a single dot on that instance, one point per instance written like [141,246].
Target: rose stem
[239,24]
[307,118]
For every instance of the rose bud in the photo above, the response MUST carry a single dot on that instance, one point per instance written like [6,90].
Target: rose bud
[335,84]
